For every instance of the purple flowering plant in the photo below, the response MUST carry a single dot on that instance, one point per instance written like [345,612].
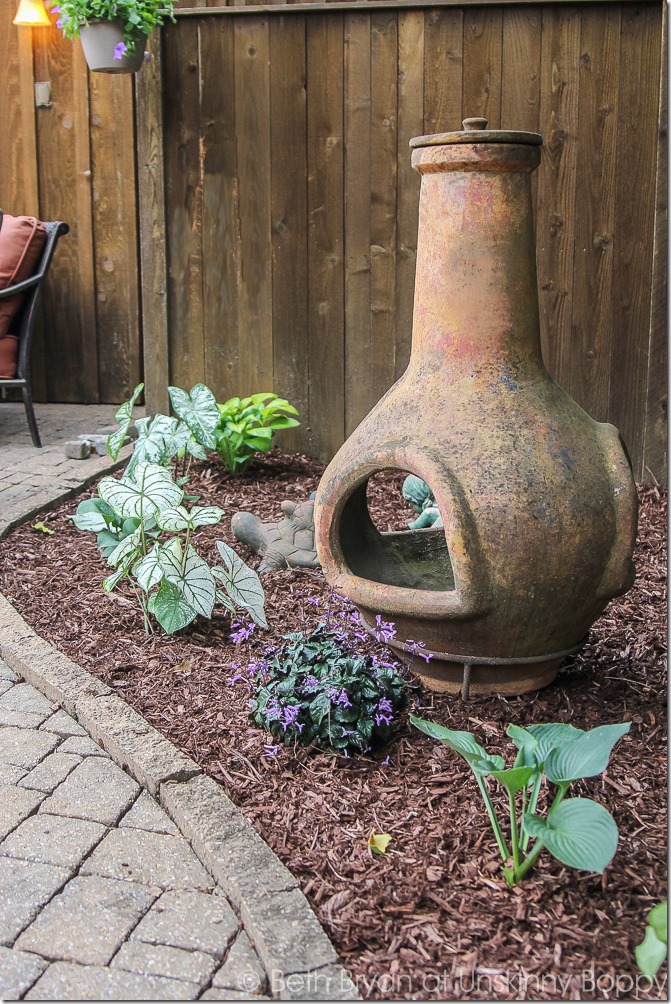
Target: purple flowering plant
[135,18]
[317,690]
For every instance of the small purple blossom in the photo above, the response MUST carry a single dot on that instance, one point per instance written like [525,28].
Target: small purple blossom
[290,714]
[386,761]
[120,50]
[310,683]
[270,749]
[241,633]
[384,631]
[383,719]
[313,599]
[339,696]
[384,704]
[415,648]
[55,9]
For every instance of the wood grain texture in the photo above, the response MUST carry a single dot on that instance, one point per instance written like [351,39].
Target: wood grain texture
[637,159]
[483,54]
[359,390]
[288,109]
[595,210]
[326,431]
[252,110]
[655,456]
[221,224]
[115,227]
[443,69]
[557,181]
[152,230]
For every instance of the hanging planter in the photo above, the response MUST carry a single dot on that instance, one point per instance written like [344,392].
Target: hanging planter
[106,51]
[113,33]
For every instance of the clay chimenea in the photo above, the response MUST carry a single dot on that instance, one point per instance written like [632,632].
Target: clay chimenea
[537,499]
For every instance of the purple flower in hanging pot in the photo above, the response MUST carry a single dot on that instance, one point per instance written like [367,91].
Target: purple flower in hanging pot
[120,50]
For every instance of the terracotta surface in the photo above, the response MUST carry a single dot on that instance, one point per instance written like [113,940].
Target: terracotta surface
[537,499]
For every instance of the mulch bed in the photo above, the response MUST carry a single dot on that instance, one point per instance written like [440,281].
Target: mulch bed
[433,918]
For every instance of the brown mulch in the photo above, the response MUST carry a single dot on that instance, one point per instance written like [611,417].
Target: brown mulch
[433,918]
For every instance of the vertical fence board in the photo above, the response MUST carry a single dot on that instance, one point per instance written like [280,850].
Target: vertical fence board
[383,160]
[359,389]
[483,44]
[595,210]
[291,375]
[152,231]
[521,68]
[115,228]
[637,149]
[184,204]
[654,447]
[443,69]
[325,226]
[410,123]
[220,209]
[252,101]
[557,185]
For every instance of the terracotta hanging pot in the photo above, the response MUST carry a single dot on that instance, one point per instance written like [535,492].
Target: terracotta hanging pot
[537,500]
[101,39]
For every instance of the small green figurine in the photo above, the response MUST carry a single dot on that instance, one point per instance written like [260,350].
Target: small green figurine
[420,497]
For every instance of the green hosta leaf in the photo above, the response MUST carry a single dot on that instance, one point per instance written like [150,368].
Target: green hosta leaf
[198,409]
[551,735]
[461,742]
[170,608]
[490,764]
[241,583]
[149,572]
[514,779]
[579,832]
[124,417]
[585,756]
[652,951]
[146,492]
[192,576]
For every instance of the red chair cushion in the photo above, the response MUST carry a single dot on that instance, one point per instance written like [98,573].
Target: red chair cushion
[22,240]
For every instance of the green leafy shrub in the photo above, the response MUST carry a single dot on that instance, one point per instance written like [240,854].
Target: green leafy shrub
[577,831]
[650,954]
[137,17]
[236,430]
[144,531]
[247,425]
[312,690]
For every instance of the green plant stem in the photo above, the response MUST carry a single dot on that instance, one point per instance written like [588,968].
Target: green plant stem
[533,801]
[519,871]
[514,833]
[496,826]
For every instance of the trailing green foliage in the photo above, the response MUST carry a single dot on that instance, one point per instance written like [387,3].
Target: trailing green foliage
[144,531]
[236,430]
[652,951]
[312,690]
[248,424]
[136,17]
[577,831]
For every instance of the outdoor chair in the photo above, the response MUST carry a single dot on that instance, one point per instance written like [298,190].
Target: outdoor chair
[25,268]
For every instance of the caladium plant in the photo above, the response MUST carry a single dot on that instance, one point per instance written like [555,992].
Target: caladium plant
[145,533]
[577,831]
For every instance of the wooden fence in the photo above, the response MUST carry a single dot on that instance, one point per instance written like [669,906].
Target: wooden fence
[265,235]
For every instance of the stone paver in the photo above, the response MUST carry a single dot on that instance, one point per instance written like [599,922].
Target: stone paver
[155,858]
[24,748]
[53,840]
[50,772]
[242,969]
[162,960]
[24,889]
[66,981]
[18,972]
[63,725]
[24,706]
[70,930]
[96,789]
[145,814]
[16,804]
[193,920]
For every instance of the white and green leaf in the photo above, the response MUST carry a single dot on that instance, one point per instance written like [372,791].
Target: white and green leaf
[241,583]
[170,608]
[124,417]
[149,571]
[198,409]
[192,575]
[146,492]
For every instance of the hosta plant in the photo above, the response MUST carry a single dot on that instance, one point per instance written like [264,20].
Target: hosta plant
[314,691]
[577,831]
[145,532]
[247,425]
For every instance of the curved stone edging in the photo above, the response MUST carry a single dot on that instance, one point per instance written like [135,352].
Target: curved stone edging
[298,956]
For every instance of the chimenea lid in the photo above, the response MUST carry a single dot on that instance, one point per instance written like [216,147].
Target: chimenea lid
[476,131]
